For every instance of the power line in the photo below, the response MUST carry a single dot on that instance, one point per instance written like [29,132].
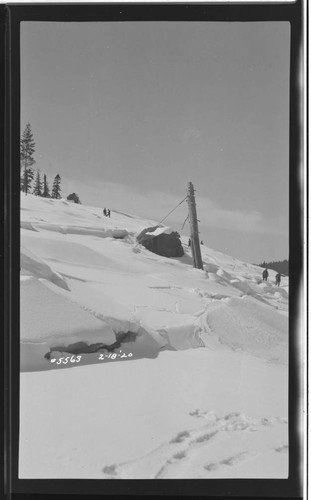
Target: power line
[173,209]
[182,227]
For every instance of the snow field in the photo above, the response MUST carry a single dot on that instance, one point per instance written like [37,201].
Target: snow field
[93,417]
[208,355]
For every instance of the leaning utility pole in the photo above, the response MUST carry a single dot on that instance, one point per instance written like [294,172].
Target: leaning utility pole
[194,231]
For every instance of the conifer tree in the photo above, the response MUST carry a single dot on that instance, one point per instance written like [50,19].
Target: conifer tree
[37,190]
[27,149]
[46,189]
[56,187]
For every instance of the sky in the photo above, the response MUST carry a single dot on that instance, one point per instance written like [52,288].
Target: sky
[127,113]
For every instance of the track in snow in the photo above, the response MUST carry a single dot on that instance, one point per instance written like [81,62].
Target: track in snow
[217,449]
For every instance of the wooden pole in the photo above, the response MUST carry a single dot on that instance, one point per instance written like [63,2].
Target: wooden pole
[194,230]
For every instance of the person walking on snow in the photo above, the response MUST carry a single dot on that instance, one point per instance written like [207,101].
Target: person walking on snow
[189,242]
[108,212]
[278,279]
[265,275]
[105,212]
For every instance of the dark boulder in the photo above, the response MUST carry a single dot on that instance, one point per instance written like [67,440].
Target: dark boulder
[74,197]
[161,243]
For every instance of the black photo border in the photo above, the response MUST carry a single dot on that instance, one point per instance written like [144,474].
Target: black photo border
[12,16]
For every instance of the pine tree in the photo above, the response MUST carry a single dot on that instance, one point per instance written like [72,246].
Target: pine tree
[37,190]
[27,149]
[46,189]
[56,187]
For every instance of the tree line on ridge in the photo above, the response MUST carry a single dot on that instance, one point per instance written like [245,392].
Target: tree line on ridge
[35,184]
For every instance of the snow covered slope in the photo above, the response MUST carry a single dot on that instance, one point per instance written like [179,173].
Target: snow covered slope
[177,350]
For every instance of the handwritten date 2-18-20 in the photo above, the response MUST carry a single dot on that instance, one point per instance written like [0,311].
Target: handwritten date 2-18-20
[102,357]
[113,355]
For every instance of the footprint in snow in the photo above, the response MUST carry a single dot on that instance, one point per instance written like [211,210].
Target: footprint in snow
[233,459]
[110,470]
[208,415]
[175,457]
[228,461]
[180,437]
[205,437]
[180,455]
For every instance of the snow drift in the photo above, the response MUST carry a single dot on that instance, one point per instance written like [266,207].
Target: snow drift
[155,348]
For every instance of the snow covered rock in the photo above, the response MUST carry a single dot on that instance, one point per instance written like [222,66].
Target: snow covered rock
[161,241]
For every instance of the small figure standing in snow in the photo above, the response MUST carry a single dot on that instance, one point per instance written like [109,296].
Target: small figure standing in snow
[202,243]
[108,212]
[265,275]
[189,242]
[278,279]
[105,212]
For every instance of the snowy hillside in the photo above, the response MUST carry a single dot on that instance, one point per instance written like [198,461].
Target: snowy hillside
[184,370]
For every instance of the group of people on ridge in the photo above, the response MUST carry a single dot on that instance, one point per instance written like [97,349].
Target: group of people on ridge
[106,212]
[265,275]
